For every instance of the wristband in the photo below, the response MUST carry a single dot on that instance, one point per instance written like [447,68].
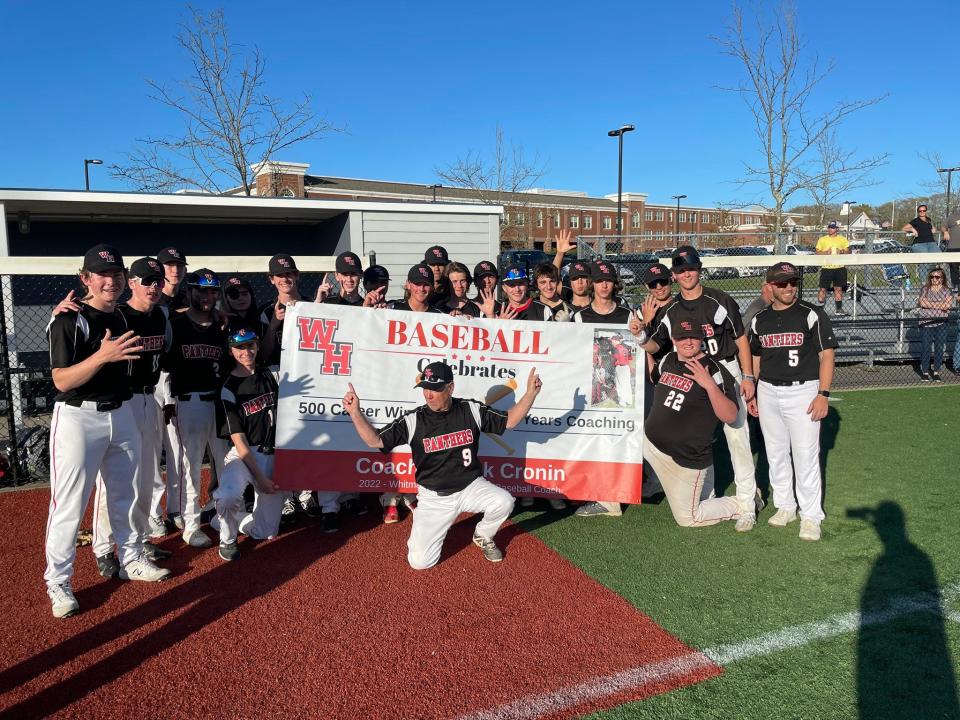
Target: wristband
[751,378]
[825,393]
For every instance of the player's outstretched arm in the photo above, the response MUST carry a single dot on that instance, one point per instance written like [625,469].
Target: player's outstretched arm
[366,431]
[519,411]
[562,243]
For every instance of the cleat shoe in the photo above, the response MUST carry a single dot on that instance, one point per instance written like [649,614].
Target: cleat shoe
[490,550]
[155,553]
[107,565]
[329,522]
[746,522]
[558,503]
[229,551]
[525,502]
[353,506]
[782,518]
[198,539]
[935,376]
[809,530]
[410,501]
[924,377]
[158,528]
[63,603]
[311,508]
[390,515]
[597,509]
[175,520]
[144,570]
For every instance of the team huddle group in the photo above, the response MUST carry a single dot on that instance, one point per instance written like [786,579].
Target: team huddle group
[189,363]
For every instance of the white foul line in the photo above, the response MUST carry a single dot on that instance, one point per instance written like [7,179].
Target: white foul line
[535,706]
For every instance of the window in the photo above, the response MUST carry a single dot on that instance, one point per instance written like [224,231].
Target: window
[683,215]
[735,219]
[660,215]
[539,218]
[505,220]
[607,222]
[556,219]
[693,217]
[587,222]
[648,215]
[635,220]
[575,221]
[287,193]
[705,218]
[521,219]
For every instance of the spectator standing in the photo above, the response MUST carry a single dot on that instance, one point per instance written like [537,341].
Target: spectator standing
[935,301]
[921,228]
[833,276]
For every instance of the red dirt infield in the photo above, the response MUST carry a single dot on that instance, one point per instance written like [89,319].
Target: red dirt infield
[334,626]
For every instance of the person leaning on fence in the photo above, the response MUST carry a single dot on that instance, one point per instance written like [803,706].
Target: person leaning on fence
[921,228]
[935,302]
[92,429]
[833,276]
[444,437]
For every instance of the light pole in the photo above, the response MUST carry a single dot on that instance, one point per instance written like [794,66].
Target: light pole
[434,188]
[850,204]
[676,218]
[86,170]
[949,172]
[618,133]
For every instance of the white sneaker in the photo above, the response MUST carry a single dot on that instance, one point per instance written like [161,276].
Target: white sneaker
[558,504]
[198,539]
[144,570]
[746,522]
[63,603]
[809,530]
[782,518]
[158,528]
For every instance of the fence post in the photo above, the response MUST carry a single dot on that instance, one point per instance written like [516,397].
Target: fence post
[14,458]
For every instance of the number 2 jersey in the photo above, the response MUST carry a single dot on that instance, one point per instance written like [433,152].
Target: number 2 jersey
[445,444]
[681,422]
[789,342]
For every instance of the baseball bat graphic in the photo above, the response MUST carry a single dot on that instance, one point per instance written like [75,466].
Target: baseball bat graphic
[494,394]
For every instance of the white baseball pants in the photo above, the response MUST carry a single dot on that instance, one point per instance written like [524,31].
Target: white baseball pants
[196,428]
[436,513]
[621,377]
[788,430]
[171,448]
[738,442]
[83,442]
[689,492]
[264,522]
[144,410]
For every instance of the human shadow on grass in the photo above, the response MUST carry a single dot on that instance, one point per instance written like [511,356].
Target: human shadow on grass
[207,597]
[904,667]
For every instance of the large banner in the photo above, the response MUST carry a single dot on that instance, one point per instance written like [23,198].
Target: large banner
[582,439]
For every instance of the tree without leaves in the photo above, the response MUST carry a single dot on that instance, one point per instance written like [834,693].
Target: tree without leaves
[497,178]
[230,122]
[939,185]
[779,93]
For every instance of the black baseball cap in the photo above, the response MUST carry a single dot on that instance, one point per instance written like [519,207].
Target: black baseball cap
[484,268]
[436,255]
[685,326]
[236,281]
[375,276]
[102,258]
[420,274]
[171,255]
[282,263]
[435,376]
[579,269]
[147,269]
[685,256]
[781,272]
[656,272]
[602,270]
[348,263]
[239,336]
[203,278]
[514,272]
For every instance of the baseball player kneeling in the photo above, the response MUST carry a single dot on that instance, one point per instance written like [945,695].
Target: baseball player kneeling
[693,394]
[444,435]
[247,415]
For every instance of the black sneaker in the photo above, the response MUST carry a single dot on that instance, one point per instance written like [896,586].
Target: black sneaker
[311,508]
[355,506]
[155,553]
[289,513]
[108,566]
[229,551]
[924,377]
[935,376]
[329,522]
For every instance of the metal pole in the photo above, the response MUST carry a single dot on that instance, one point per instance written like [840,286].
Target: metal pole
[86,174]
[14,458]
[620,186]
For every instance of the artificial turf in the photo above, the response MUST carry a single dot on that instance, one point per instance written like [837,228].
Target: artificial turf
[890,531]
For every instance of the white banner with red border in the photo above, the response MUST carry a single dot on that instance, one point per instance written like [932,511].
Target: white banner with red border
[582,440]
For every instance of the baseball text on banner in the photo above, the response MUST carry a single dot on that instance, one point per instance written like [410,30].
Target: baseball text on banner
[581,440]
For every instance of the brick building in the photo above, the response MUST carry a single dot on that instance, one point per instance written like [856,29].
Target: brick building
[531,219]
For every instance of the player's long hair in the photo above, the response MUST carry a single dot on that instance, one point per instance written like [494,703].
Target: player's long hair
[456,267]
[249,318]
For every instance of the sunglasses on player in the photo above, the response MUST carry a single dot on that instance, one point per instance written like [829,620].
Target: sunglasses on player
[786,283]
[658,283]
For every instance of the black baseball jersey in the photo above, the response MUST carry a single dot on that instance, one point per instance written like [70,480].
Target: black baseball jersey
[155,334]
[620,315]
[198,359]
[404,305]
[716,312]
[341,300]
[248,405]
[532,310]
[178,302]
[562,311]
[468,309]
[681,422]
[445,444]
[789,342]
[75,336]
[657,317]
[266,315]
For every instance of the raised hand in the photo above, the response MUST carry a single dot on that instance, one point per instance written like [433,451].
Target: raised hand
[534,384]
[486,306]
[119,349]
[374,298]
[351,403]
[563,242]
[649,308]
[507,312]
[635,325]
[279,312]
[323,291]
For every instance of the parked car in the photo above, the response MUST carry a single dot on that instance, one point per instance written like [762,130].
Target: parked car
[528,258]
[743,251]
[632,266]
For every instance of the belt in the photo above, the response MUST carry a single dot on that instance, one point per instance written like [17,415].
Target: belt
[94,405]
[205,397]
[784,383]
[145,390]
[264,450]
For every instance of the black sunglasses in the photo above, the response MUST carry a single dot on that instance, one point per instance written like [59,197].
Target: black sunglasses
[661,282]
[786,283]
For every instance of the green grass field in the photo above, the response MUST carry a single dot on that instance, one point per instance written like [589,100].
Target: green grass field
[890,461]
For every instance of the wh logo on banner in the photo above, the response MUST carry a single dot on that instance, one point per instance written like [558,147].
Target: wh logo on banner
[316,335]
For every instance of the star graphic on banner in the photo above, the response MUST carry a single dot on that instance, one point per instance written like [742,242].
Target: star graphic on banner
[482,358]
[454,357]
[468,357]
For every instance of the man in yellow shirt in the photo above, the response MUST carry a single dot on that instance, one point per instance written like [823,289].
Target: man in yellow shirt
[833,276]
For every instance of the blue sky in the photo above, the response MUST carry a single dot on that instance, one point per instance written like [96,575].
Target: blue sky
[416,85]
